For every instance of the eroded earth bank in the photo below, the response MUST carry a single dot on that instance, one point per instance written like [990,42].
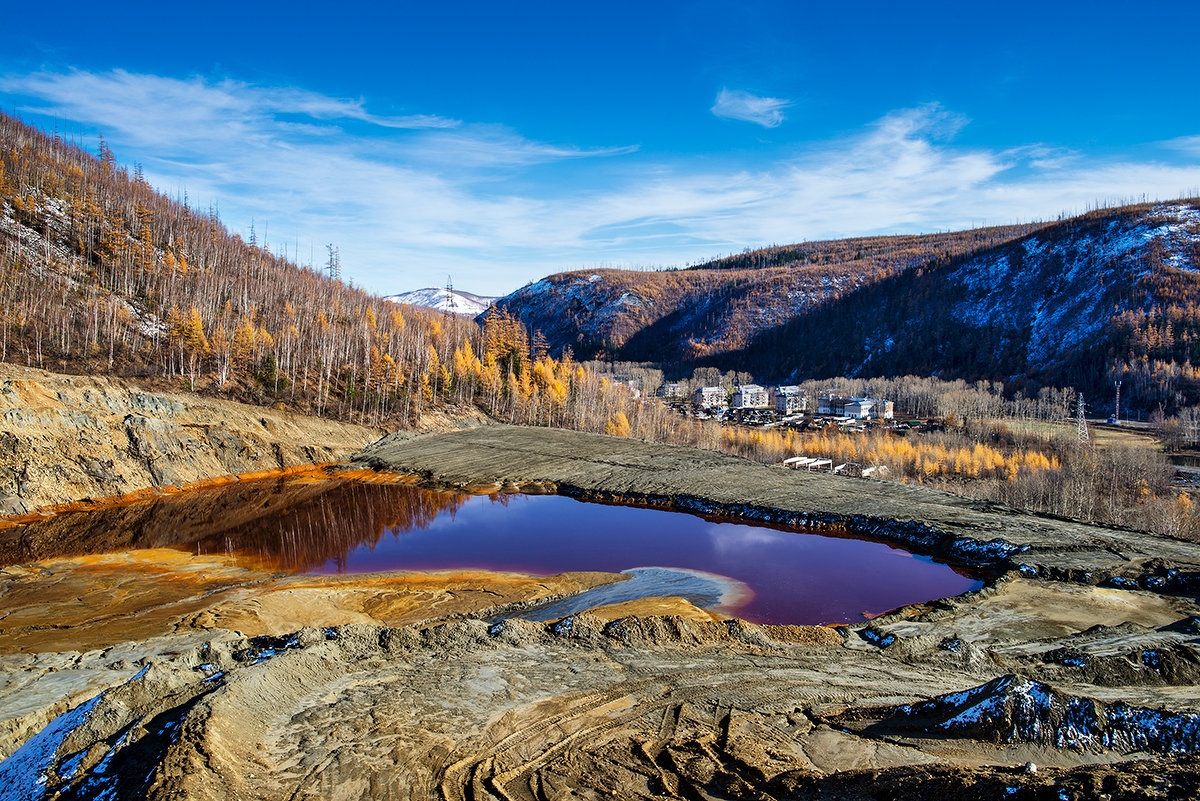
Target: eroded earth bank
[64,438]
[1079,656]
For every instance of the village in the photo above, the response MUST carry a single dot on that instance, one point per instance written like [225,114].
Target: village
[788,407]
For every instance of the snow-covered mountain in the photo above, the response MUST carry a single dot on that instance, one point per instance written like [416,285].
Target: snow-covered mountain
[455,301]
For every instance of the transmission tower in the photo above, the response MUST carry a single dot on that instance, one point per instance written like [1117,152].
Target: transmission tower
[1080,421]
[1117,406]
[334,265]
[450,304]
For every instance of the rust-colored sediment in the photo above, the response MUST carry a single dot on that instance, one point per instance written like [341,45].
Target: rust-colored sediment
[86,602]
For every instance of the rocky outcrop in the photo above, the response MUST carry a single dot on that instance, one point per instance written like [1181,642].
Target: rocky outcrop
[69,437]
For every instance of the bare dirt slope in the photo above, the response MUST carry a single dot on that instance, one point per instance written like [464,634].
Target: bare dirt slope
[69,437]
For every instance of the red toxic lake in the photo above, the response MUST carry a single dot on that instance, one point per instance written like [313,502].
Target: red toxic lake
[762,573]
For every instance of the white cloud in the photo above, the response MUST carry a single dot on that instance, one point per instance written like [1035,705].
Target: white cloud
[409,198]
[733,104]
[497,146]
[1187,144]
[195,98]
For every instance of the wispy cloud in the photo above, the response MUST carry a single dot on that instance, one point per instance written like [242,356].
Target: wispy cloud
[1187,144]
[145,97]
[409,197]
[497,146]
[733,104]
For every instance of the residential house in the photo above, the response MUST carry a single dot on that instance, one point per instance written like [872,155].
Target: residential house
[671,391]
[789,400]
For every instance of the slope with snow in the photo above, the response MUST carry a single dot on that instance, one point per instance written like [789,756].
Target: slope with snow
[1114,293]
[1061,290]
[695,313]
[454,301]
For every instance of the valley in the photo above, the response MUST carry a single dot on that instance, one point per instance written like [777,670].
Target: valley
[1108,295]
[269,535]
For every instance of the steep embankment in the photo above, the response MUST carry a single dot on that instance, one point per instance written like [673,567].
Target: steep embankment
[71,437]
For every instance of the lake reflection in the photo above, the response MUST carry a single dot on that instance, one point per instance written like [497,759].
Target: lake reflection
[795,577]
[348,527]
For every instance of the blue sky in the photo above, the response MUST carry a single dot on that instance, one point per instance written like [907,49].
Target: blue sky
[502,142]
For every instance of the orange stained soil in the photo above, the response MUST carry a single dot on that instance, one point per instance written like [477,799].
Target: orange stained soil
[86,602]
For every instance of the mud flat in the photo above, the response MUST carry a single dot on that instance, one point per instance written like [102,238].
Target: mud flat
[1079,656]
[95,602]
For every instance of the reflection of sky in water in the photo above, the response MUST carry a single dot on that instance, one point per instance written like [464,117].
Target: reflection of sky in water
[795,577]
[730,539]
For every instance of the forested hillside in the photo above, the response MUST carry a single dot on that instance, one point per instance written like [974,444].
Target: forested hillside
[100,274]
[1110,295]
[1106,296]
[719,306]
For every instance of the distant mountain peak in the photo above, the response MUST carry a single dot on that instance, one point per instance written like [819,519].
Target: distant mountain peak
[454,301]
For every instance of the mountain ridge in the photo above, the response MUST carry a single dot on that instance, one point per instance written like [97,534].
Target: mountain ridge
[690,314]
[455,301]
[1107,295]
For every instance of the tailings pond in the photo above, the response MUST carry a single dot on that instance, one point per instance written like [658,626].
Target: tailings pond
[762,573]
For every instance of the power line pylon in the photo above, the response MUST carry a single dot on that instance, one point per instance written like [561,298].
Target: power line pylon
[450,304]
[1080,421]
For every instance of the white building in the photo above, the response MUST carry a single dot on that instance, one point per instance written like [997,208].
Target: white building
[750,396]
[858,408]
[834,405]
[710,398]
[789,399]
[869,409]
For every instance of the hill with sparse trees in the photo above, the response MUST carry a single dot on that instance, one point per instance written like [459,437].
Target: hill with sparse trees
[1109,295]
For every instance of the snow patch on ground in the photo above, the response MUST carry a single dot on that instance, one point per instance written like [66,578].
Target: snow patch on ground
[1016,709]
[1059,290]
[24,773]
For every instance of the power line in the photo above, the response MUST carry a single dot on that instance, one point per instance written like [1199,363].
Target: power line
[1080,421]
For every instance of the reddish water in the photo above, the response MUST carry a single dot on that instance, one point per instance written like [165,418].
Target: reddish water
[795,577]
[344,526]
